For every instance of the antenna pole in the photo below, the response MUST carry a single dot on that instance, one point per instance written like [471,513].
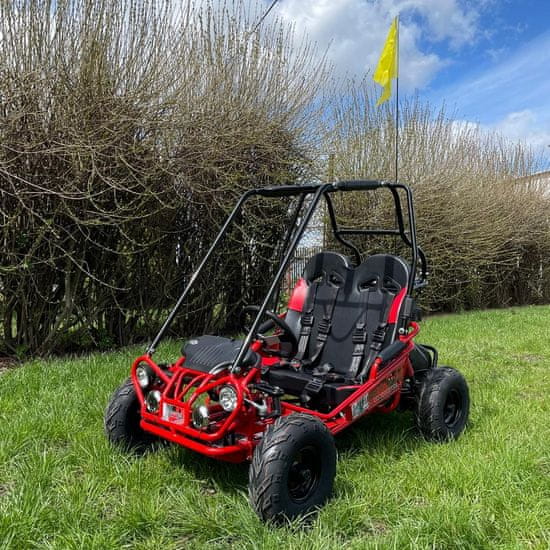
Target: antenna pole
[397,107]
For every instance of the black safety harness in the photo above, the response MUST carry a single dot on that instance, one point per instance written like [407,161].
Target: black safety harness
[362,356]
[360,364]
[360,337]
[378,338]
[323,330]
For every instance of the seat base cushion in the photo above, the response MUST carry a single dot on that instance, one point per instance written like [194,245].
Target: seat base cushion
[294,382]
[205,352]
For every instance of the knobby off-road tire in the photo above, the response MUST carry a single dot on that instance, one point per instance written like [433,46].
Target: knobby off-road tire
[122,418]
[293,468]
[443,404]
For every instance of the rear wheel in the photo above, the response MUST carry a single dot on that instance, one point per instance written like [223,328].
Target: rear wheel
[122,418]
[443,404]
[293,468]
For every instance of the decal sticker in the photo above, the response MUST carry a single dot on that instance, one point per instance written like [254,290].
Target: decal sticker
[384,390]
[171,413]
[360,406]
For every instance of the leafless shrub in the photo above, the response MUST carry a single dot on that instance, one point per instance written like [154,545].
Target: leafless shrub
[484,226]
[127,127]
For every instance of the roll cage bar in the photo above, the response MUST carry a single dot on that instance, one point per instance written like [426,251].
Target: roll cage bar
[295,232]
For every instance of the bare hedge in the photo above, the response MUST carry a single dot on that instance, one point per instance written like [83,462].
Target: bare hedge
[127,128]
[483,222]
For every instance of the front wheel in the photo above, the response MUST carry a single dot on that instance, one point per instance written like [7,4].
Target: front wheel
[122,418]
[442,405]
[293,468]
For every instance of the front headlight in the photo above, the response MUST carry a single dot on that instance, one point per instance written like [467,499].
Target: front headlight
[152,401]
[228,398]
[200,417]
[144,375]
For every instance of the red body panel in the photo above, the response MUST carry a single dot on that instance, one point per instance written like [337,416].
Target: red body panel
[298,296]
[395,308]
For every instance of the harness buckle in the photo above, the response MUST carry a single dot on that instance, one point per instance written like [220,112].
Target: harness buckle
[376,346]
[314,386]
[379,333]
[307,320]
[359,334]
[296,364]
[324,326]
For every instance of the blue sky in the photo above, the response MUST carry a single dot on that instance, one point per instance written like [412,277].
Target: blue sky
[489,60]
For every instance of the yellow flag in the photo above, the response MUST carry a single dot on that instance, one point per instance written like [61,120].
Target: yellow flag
[387,64]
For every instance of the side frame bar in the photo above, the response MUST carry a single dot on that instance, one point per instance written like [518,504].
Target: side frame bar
[151,349]
[291,231]
[280,272]
[282,191]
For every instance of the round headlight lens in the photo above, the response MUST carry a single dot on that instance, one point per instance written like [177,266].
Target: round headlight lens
[228,398]
[143,375]
[152,401]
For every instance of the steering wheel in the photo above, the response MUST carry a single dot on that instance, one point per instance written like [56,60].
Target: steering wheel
[274,320]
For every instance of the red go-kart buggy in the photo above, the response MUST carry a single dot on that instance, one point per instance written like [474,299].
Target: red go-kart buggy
[343,349]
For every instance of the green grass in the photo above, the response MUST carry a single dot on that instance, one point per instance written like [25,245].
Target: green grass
[62,486]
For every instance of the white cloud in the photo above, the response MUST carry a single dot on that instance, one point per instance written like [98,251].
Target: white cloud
[461,127]
[524,126]
[520,126]
[496,54]
[354,32]
[511,96]
[446,20]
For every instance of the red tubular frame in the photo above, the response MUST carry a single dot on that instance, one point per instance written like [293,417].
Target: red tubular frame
[232,436]
[384,383]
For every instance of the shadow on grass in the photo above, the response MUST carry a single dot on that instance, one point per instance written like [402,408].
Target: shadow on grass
[375,434]
[378,433]
[229,477]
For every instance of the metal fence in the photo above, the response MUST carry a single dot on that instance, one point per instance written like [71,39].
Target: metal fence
[297,265]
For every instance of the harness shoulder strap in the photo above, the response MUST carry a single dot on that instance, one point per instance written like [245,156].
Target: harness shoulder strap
[306,322]
[360,336]
[377,342]
[325,324]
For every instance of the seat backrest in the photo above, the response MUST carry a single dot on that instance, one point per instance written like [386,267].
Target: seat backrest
[391,271]
[329,266]
[365,293]
[324,267]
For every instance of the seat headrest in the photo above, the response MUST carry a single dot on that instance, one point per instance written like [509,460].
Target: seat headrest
[327,265]
[382,271]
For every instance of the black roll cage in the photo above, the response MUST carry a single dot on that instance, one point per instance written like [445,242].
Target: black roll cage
[294,234]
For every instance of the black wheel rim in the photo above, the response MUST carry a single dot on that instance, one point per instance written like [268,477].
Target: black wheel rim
[304,474]
[452,411]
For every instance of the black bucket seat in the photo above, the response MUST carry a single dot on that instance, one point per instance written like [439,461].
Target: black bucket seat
[343,326]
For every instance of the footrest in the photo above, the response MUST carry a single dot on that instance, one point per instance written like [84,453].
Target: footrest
[268,389]
[392,351]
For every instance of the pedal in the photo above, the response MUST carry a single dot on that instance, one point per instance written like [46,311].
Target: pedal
[268,389]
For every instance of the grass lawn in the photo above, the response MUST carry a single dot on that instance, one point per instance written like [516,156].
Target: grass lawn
[62,486]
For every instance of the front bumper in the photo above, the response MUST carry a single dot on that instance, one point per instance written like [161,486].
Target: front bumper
[238,452]
[229,437]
